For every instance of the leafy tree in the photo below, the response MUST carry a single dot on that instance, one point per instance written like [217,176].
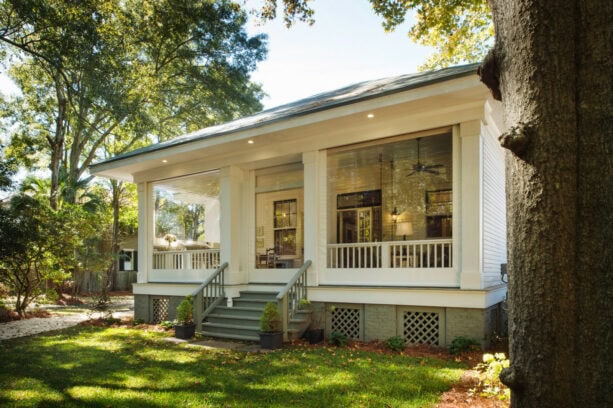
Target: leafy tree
[8,168]
[92,70]
[460,30]
[38,245]
[551,67]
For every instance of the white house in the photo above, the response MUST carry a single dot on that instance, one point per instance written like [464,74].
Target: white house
[393,189]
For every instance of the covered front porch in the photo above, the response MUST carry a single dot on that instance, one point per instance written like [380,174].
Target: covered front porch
[386,215]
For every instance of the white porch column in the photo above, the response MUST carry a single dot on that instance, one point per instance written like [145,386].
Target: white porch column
[470,190]
[145,231]
[314,163]
[230,197]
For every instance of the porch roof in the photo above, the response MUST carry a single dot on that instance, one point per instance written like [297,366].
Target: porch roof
[321,102]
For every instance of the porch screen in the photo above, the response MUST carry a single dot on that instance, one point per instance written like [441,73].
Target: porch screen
[186,215]
[377,186]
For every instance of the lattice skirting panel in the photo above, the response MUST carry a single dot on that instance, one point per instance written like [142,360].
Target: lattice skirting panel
[422,326]
[347,320]
[159,309]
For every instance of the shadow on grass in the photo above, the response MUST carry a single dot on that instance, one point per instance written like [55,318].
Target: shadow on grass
[97,367]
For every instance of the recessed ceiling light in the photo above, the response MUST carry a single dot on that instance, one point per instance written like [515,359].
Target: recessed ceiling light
[250,141]
[370,115]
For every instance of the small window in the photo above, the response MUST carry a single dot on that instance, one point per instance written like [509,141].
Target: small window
[127,260]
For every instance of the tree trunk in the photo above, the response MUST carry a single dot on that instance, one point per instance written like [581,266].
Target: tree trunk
[552,63]
[57,142]
[116,191]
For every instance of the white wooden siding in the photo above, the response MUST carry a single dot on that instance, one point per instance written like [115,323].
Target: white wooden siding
[494,209]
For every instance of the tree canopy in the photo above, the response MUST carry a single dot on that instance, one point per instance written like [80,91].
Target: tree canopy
[98,78]
[101,70]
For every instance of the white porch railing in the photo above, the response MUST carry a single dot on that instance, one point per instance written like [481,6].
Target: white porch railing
[435,253]
[190,260]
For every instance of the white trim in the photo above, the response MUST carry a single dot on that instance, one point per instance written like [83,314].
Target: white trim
[145,222]
[224,146]
[456,201]
[428,297]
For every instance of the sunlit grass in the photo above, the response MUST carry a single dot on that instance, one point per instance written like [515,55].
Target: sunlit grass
[89,366]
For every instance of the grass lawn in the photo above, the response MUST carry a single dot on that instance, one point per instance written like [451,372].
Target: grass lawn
[120,367]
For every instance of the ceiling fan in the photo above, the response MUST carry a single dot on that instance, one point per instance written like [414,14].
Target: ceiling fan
[420,167]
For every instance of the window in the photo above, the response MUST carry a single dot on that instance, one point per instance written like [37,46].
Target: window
[127,260]
[438,213]
[285,223]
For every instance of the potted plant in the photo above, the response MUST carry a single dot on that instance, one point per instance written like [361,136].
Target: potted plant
[185,327]
[315,333]
[271,336]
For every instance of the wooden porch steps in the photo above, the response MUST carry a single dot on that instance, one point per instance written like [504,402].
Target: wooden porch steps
[242,320]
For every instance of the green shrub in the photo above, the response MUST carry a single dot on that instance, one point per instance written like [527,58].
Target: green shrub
[395,343]
[110,320]
[166,324]
[136,322]
[271,318]
[461,344]
[489,377]
[338,339]
[185,311]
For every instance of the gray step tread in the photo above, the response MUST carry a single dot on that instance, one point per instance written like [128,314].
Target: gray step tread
[263,300]
[229,336]
[240,308]
[231,326]
[233,317]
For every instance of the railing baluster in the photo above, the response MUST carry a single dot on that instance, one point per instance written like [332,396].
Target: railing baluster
[288,296]
[392,254]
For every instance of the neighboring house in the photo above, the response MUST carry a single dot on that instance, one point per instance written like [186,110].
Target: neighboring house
[393,189]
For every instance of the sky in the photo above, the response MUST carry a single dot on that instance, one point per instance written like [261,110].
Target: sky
[346,45]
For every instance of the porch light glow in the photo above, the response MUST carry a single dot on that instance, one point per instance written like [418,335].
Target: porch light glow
[164,161]
[250,141]
[370,115]
[394,214]
[404,229]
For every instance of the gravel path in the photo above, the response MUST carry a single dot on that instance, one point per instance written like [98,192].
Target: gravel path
[29,327]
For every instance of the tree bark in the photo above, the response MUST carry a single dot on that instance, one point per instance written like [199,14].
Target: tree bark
[57,142]
[116,192]
[554,67]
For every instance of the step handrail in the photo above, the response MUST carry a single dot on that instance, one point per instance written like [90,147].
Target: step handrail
[209,295]
[290,296]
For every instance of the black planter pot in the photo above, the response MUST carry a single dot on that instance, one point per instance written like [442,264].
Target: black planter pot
[271,340]
[314,336]
[185,331]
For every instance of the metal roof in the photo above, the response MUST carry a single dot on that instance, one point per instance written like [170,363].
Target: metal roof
[327,100]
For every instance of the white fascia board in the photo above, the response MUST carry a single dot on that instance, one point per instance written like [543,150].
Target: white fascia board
[125,168]
[164,289]
[428,297]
